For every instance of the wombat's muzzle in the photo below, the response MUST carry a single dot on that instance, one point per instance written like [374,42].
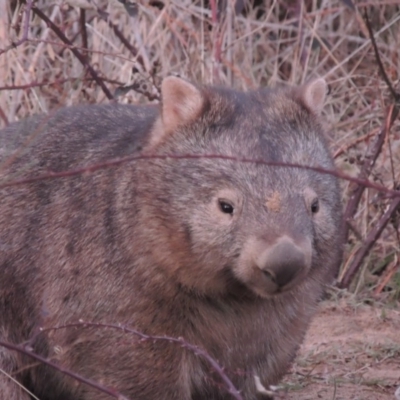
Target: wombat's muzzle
[284,263]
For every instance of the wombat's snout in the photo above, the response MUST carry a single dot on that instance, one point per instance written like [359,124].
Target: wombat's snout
[283,262]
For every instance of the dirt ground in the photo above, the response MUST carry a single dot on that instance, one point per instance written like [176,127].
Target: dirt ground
[351,352]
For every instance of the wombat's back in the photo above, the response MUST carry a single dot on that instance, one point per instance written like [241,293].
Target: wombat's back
[79,134]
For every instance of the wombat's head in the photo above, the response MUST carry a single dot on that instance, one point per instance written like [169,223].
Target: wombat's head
[224,223]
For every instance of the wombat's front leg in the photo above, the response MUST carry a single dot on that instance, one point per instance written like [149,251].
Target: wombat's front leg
[10,388]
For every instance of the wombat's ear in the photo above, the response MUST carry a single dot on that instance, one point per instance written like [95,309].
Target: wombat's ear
[313,94]
[182,103]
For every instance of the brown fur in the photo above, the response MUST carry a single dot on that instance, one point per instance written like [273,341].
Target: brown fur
[146,243]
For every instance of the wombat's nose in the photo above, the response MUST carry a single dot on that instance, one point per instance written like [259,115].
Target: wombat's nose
[282,262]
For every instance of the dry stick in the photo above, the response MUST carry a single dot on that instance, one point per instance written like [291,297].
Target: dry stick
[238,72]
[72,40]
[104,16]
[3,116]
[389,272]
[217,39]
[56,82]
[298,50]
[354,142]
[136,86]
[66,46]
[369,162]
[118,161]
[395,95]
[77,54]
[180,341]
[372,154]
[370,240]
[28,7]
[82,23]
[65,371]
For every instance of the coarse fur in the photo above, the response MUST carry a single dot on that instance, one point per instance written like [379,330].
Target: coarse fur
[231,256]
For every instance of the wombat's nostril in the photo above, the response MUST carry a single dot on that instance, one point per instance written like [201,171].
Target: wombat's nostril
[270,275]
[286,273]
[282,262]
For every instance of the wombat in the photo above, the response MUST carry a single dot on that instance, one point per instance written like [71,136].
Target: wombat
[230,255]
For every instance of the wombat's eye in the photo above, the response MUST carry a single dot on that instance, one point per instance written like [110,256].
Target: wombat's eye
[225,207]
[315,206]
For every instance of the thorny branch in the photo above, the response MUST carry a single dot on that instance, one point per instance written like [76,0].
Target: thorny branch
[118,161]
[79,378]
[104,16]
[75,36]
[77,54]
[395,95]
[369,161]
[35,84]
[358,189]
[198,351]
[370,240]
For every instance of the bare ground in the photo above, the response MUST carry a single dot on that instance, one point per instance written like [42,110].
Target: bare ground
[352,351]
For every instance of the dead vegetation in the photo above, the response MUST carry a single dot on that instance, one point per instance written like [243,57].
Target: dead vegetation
[85,51]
